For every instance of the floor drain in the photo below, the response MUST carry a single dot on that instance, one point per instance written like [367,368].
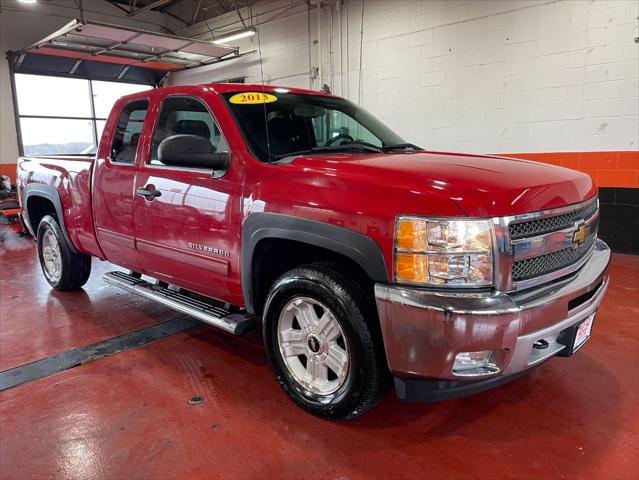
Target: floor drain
[196,400]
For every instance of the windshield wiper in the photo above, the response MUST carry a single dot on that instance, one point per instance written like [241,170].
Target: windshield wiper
[337,148]
[401,146]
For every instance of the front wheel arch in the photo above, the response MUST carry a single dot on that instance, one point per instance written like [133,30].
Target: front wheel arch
[324,241]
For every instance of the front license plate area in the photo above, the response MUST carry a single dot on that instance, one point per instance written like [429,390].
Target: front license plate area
[576,336]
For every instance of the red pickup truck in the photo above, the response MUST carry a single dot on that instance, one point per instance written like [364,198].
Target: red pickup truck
[364,258]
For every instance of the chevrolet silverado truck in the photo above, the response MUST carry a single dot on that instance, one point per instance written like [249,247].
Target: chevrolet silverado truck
[365,259]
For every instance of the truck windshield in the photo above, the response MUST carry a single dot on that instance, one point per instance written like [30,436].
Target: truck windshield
[278,125]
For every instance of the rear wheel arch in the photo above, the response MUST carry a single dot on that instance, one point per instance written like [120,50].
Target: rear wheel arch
[273,243]
[40,200]
[37,207]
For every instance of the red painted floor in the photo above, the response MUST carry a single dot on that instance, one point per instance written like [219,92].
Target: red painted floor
[127,416]
[37,322]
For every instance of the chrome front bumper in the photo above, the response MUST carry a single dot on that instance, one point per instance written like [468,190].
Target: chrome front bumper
[424,330]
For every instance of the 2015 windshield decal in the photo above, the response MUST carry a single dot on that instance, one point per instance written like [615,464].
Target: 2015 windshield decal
[252,98]
[204,248]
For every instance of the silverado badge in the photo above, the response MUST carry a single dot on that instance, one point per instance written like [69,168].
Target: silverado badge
[204,248]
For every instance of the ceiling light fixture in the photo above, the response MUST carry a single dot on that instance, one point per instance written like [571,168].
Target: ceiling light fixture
[27,1]
[229,37]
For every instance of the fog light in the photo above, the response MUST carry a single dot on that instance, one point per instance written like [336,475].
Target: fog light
[475,364]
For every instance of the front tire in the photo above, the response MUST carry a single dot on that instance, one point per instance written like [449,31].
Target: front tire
[63,269]
[321,343]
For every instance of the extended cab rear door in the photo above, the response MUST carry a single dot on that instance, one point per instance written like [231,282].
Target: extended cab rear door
[114,181]
[187,230]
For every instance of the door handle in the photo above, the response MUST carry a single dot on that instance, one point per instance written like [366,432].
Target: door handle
[149,192]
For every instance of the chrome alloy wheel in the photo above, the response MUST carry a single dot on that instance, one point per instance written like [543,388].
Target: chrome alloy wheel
[313,346]
[51,256]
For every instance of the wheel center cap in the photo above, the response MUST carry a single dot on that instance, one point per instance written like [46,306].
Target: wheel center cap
[313,343]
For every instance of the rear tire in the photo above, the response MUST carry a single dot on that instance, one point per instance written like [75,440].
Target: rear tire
[63,269]
[319,334]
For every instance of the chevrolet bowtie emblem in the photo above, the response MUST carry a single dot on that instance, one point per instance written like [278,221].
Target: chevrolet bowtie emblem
[580,235]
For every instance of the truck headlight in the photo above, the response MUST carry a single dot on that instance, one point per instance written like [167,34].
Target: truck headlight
[443,252]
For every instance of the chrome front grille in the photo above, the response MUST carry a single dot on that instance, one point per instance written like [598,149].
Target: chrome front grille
[550,224]
[551,262]
[542,246]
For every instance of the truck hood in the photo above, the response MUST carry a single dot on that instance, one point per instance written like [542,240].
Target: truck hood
[483,186]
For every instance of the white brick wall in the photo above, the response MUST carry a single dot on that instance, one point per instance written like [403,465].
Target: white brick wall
[471,75]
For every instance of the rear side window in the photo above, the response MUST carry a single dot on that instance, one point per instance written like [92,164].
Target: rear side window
[127,132]
[186,116]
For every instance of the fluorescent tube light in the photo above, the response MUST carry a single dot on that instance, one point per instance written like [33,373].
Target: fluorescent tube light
[249,32]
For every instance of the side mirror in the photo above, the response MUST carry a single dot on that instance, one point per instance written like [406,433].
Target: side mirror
[191,151]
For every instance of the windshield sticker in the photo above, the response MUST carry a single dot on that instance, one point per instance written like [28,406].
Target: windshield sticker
[252,98]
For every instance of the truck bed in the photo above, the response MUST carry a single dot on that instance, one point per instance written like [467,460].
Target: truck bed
[70,177]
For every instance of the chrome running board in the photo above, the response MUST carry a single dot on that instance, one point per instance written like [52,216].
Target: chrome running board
[216,315]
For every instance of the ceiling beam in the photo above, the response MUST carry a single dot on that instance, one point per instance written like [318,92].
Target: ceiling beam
[117,5]
[78,3]
[196,11]
[223,8]
[239,14]
[179,19]
[157,3]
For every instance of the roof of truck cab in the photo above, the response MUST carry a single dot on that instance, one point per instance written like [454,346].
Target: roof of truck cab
[224,88]
[256,87]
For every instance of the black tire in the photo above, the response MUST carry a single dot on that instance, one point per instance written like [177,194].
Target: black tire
[367,376]
[75,268]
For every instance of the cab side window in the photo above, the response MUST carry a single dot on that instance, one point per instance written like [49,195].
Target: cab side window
[127,132]
[186,115]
